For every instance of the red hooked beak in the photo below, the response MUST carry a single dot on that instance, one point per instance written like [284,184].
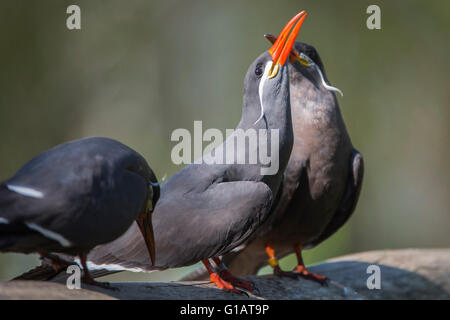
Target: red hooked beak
[294,55]
[282,48]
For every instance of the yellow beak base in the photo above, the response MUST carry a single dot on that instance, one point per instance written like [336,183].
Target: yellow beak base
[274,71]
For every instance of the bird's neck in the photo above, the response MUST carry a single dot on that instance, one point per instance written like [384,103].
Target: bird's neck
[316,121]
[275,137]
[276,117]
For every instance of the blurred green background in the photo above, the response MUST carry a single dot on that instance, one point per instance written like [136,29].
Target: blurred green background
[137,70]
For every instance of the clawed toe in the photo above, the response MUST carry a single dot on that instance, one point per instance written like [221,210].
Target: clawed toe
[284,274]
[237,282]
[301,271]
[225,285]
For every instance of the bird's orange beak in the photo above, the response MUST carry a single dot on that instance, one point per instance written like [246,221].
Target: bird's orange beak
[283,45]
[293,56]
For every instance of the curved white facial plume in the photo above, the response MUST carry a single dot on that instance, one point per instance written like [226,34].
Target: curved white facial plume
[315,66]
[261,88]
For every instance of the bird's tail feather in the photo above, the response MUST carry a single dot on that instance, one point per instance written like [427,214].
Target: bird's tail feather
[42,272]
[46,272]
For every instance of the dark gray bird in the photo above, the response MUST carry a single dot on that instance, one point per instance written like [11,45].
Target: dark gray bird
[76,196]
[205,209]
[322,181]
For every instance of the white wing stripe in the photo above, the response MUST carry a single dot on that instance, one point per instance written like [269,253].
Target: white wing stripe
[25,191]
[49,234]
[110,266]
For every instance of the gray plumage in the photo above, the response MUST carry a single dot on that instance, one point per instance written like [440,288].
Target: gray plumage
[207,210]
[322,181]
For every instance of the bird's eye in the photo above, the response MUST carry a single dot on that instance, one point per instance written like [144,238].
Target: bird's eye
[259,70]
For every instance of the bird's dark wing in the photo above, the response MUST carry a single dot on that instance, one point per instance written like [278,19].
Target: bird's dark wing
[15,235]
[351,196]
[190,227]
[245,259]
[73,190]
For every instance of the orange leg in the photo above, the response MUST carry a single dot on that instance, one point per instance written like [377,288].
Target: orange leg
[301,270]
[273,262]
[226,275]
[216,279]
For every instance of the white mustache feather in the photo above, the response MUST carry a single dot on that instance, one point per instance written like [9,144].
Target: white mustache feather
[261,89]
[315,66]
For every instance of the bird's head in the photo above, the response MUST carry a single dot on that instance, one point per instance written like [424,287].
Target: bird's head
[267,79]
[302,54]
[306,61]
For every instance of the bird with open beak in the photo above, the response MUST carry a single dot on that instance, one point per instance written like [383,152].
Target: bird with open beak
[76,196]
[321,183]
[207,210]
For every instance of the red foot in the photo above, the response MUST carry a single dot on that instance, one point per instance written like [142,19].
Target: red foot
[286,274]
[303,272]
[222,284]
[237,282]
